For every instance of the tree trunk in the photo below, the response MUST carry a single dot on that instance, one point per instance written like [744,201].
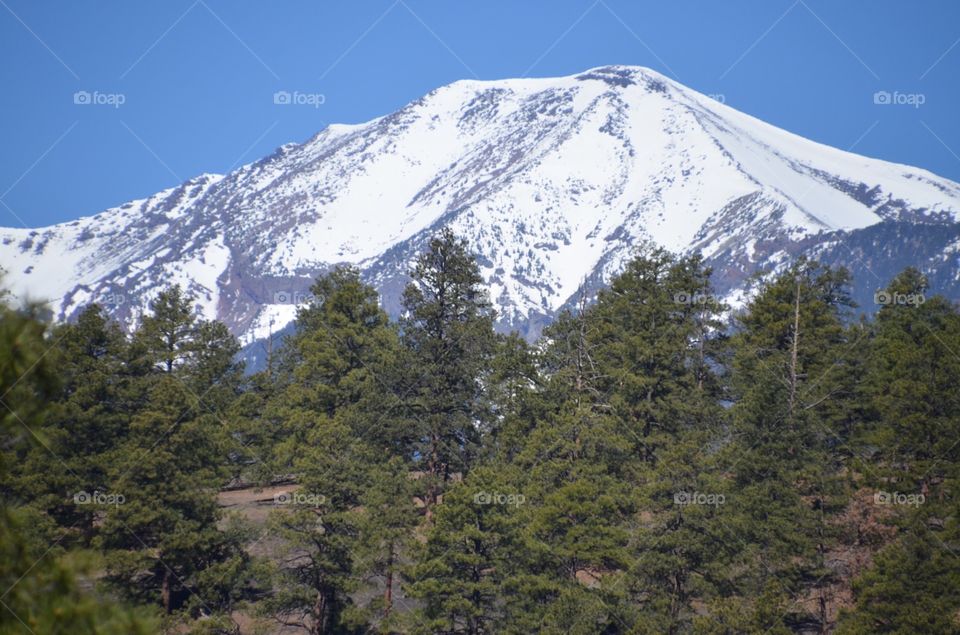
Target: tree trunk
[434,473]
[581,346]
[165,592]
[702,361]
[388,592]
[321,614]
[822,557]
[794,352]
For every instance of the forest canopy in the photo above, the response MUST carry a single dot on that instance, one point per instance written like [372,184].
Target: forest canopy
[656,462]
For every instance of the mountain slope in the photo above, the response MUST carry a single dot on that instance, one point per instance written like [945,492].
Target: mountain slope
[553,181]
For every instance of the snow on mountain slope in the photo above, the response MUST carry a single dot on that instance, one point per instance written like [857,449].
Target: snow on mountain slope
[61,264]
[553,181]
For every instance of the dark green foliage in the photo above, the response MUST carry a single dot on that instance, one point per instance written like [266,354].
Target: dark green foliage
[515,393]
[41,592]
[386,521]
[163,541]
[643,468]
[329,374]
[462,567]
[448,339]
[914,370]
[330,363]
[87,421]
[913,587]
[791,381]
[913,413]
[651,344]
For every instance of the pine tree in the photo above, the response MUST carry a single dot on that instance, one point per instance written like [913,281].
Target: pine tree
[636,403]
[789,371]
[41,589]
[329,372]
[163,540]
[333,360]
[461,569]
[319,525]
[514,389]
[387,520]
[253,431]
[651,345]
[86,423]
[913,371]
[913,412]
[447,332]
[912,587]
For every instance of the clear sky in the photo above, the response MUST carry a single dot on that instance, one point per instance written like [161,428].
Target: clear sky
[172,89]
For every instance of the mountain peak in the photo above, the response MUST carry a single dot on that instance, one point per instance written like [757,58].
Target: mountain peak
[620,75]
[553,181]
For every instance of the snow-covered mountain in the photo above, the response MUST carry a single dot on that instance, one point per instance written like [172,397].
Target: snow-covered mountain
[553,181]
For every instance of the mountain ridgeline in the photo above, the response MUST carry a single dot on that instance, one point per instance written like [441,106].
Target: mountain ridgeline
[555,182]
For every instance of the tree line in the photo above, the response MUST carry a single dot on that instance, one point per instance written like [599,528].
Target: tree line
[656,462]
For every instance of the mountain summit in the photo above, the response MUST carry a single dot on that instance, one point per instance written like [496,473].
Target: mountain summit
[554,182]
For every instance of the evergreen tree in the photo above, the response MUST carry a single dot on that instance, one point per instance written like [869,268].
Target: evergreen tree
[163,540]
[254,429]
[913,412]
[314,576]
[462,567]
[514,389]
[448,337]
[387,520]
[789,371]
[333,360]
[912,587]
[653,348]
[913,372]
[41,589]
[85,424]
[329,372]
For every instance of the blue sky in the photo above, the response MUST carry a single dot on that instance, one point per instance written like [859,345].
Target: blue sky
[187,86]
